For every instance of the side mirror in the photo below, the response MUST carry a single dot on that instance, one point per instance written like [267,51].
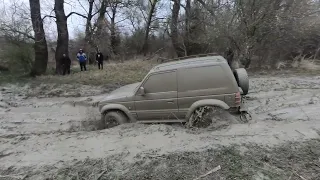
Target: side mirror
[141,91]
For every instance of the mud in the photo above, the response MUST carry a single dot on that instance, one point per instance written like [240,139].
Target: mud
[40,135]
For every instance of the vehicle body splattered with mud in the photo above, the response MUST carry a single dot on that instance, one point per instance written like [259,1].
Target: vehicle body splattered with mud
[179,91]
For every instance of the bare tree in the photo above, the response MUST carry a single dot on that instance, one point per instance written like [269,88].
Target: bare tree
[101,21]
[40,43]
[114,4]
[252,29]
[63,33]
[88,32]
[187,25]
[152,4]
[174,29]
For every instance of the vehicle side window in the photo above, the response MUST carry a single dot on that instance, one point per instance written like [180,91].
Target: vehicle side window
[201,78]
[163,82]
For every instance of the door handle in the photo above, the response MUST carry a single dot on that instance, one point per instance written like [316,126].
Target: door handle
[171,102]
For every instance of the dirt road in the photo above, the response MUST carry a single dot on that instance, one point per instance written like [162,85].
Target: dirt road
[39,137]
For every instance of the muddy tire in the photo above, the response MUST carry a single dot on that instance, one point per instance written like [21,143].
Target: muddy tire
[207,116]
[112,119]
[242,78]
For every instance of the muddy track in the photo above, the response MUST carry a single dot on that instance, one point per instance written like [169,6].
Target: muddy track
[36,133]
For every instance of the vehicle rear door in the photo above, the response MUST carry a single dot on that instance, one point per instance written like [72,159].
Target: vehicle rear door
[198,83]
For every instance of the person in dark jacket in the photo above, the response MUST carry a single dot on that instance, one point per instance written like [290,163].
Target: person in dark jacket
[99,59]
[229,56]
[65,63]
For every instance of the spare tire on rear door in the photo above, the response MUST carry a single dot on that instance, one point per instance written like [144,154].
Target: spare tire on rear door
[242,78]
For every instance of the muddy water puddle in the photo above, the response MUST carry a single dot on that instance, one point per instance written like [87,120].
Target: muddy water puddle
[38,119]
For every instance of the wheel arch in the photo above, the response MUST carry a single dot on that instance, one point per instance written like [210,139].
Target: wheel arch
[206,102]
[118,107]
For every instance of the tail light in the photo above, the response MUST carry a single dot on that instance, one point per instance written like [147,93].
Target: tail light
[238,98]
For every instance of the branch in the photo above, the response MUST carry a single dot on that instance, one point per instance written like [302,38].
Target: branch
[208,173]
[181,5]
[83,7]
[17,31]
[49,16]
[108,14]
[144,17]
[209,9]
[159,18]
[95,13]
[121,20]
[77,14]
[96,5]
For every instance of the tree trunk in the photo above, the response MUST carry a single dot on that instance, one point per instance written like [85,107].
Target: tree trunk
[100,20]
[113,34]
[146,37]
[174,29]
[88,32]
[63,34]
[187,27]
[40,45]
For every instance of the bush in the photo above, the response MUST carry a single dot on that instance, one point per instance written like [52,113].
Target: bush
[18,57]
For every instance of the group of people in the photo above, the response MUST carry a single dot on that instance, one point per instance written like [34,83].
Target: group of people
[82,59]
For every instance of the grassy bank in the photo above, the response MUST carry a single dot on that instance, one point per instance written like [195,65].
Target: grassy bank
[113,73]
[85,83]
[133,71]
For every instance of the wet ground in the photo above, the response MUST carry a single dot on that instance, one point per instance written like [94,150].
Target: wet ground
[58,131]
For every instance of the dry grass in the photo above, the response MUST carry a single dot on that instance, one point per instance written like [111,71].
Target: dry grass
[288,161]
[309,65]
[117,74]
[114,73]
[303,64]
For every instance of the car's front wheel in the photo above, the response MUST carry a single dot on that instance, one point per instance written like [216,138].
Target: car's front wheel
[112,119]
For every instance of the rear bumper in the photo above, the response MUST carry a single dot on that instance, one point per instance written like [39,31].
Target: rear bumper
[238,109]
[234,110]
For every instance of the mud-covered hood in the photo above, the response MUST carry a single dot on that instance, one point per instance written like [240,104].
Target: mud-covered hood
[124,93]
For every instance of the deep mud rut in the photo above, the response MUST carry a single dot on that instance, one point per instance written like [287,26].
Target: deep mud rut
[46,134]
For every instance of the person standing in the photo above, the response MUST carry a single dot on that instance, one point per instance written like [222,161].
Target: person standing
[65,63]
[99,59]
[229,56]
[82,58]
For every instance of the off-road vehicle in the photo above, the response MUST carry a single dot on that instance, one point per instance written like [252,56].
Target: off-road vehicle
[175,91]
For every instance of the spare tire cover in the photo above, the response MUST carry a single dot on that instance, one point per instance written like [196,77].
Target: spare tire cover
[242,78]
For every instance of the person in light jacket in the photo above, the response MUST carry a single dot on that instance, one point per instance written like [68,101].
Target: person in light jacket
[82,58]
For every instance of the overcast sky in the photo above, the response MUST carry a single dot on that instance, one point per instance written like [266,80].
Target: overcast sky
[75,23]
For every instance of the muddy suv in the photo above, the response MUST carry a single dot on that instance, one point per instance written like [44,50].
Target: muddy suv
[174,91]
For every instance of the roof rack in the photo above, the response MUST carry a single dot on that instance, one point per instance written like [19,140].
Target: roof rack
[188,57]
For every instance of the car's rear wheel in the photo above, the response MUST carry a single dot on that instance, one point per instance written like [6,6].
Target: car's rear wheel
[112,119]
[242,78]
[206,116]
